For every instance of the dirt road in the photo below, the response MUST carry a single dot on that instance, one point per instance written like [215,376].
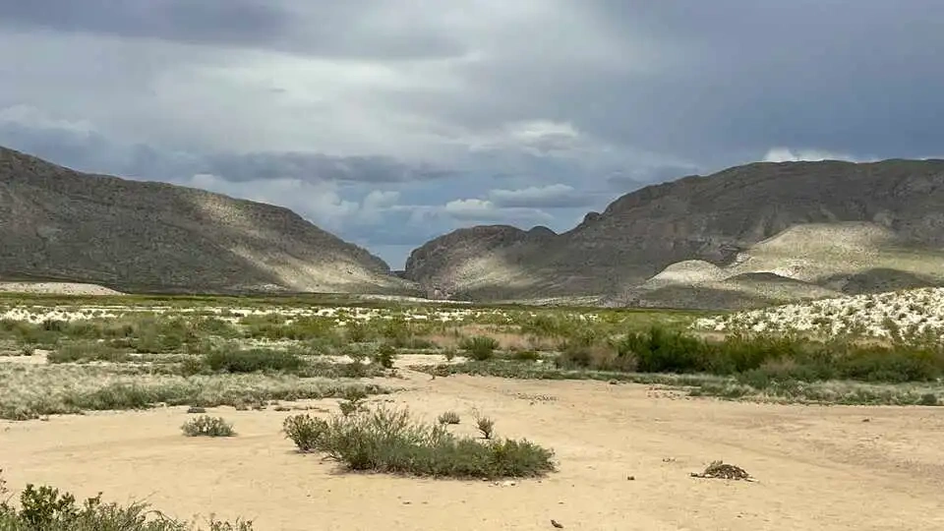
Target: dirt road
[816,467]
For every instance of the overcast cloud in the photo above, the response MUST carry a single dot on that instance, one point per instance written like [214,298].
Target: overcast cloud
[390,122]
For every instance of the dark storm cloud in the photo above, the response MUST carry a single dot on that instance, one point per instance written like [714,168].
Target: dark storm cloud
[306,166]
[214,21]
[721,82]
[612,95]
[855,77]
[92,152]
[321,28]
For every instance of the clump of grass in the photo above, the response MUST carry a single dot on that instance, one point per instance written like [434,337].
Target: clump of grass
[352,401]
[479,348]
[929,399]
[485,425]
[86,351]
[304,431]
[28,392]
[207,426]
[252,360]
[45,508]
[526,355]
[390,441]
[449,417]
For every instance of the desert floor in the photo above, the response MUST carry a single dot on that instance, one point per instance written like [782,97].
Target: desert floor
[816,467]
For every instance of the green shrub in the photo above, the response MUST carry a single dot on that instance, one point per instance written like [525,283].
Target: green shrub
[252,360]
[385,356]
[85,351]
[595,357]
[45,508]
[480,348]
[207,426]
[928,399]
[449,417]
[662,351]
[304,431]
[390,441]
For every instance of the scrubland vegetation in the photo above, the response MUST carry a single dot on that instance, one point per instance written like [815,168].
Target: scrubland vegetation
[192,351]
[69,357]
[45,508]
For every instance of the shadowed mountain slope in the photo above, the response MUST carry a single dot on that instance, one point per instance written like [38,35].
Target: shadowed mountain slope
[56,223]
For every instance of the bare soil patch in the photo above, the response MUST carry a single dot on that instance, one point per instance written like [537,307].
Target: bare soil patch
[820,467]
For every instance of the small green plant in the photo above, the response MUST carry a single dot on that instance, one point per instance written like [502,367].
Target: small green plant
[86,351]
[385,356]
[45,508]
[304,431]
[928,399]
[207,426]
[480,348]
[486,426]
[252,360]
[449,417]
[352,401]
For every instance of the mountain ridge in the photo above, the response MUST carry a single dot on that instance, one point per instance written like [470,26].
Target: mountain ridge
[714,218]
[145,235]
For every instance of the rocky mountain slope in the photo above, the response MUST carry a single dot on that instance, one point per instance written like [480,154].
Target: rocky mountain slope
[59,224]
[759,233]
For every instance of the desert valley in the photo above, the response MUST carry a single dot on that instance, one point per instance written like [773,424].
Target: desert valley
[234,367]
[379,265]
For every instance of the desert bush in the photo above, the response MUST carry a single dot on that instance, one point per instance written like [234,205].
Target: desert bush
[25,333]
[352,402]
[485,425]
[595,357]
[252,360]
[277,327]
[85,351]
[384,440]
[207,426]
[928,399]
[45,508]
[661,351]
[480,348]
[385,356]
[449,417]
[304,431]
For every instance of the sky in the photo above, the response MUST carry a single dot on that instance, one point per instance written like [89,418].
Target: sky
[390,122]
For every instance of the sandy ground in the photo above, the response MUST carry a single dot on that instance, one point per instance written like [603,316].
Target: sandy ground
[817,467]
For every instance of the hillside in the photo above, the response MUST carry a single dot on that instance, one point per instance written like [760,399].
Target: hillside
[59,224]
[762,233]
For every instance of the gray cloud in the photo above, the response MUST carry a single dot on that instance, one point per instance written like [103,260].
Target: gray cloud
[550,196]
[481,111]
[212,21]
[322,28]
